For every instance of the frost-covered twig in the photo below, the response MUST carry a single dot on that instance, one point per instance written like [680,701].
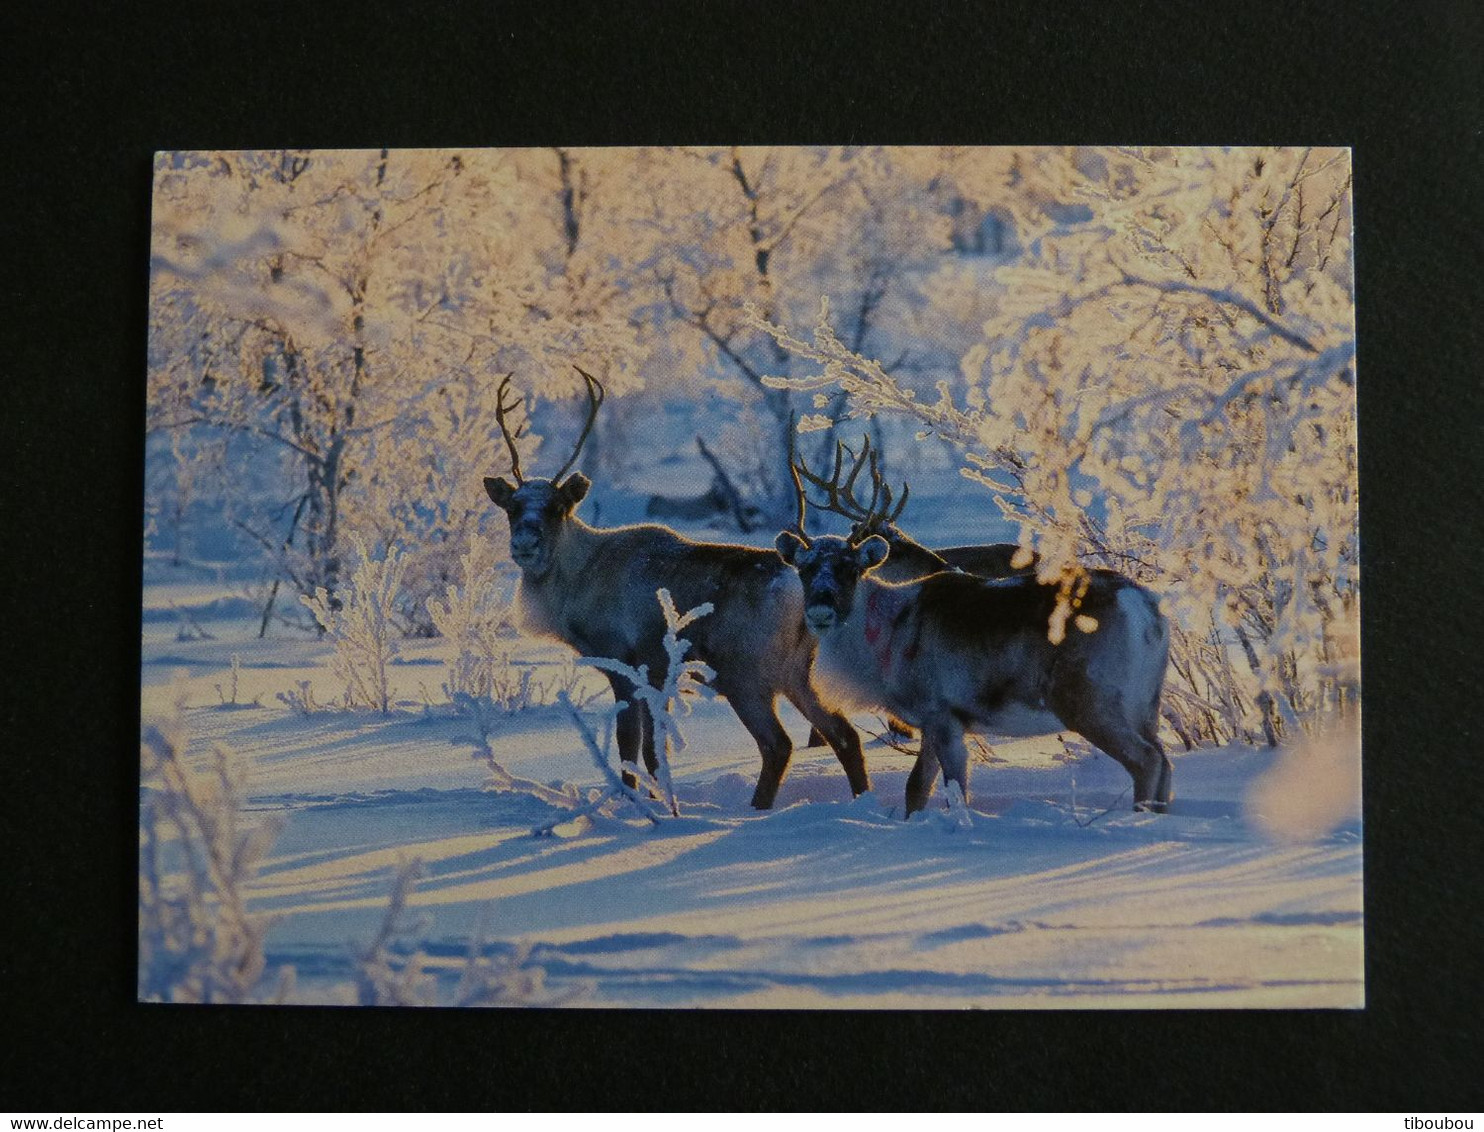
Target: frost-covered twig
[959,814]
[229,699]
[381,980]
[684,681]
[617,787]
[197,940]
[511,979]
[889,737]
[486,720]
[501,781]
[385,979]
[300,699]
[473,620]
[363,627]
[1076,810]
[1216,295]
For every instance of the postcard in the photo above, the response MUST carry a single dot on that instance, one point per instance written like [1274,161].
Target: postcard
[858,577]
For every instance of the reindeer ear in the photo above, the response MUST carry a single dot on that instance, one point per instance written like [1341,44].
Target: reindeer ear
[574,490]
[872,552]
[500,490]
[788,546]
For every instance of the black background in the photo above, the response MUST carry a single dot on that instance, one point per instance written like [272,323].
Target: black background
[93,90]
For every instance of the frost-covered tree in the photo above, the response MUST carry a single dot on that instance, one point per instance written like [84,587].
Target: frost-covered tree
[268,271]
[773,229]
[347,316]
[328,328]
[1166,387]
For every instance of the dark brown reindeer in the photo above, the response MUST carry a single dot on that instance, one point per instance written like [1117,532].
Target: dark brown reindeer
[909,560]
[1011,655]
[594,589]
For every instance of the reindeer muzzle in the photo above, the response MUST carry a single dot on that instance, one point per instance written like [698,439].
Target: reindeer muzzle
[525,549]
[820,617]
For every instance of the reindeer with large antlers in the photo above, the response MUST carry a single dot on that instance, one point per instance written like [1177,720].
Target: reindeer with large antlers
[909,560]
[1010,655]
[594,590]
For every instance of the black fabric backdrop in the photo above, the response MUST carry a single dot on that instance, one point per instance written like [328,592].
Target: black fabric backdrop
[92,91]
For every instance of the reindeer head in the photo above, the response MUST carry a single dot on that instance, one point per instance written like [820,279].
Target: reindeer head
[538,509]
[830,567]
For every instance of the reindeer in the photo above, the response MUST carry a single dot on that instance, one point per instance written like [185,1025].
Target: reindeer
[594,590]
[909,560]
[953,651]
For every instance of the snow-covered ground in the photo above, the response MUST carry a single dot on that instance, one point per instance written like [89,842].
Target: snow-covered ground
[1049,892]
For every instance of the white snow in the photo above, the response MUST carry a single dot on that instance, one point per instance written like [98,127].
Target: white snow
[1048,892]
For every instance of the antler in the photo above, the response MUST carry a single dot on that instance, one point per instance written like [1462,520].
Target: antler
[501,408]
[595,395]
[841,498]
[888,514]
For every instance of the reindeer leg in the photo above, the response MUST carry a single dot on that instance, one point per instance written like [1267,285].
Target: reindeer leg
[948,745]
[630,725]
[757,714]
[1164,790]
[1150,769]
[942,745]
[1142,757]
[837,731]
[920,782]
[646,722]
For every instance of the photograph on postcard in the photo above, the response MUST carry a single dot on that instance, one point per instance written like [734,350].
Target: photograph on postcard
[863,577]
